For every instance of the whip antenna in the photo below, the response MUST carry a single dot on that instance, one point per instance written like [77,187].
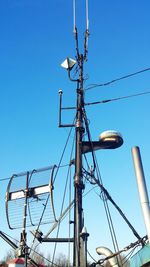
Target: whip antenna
[86,32]
[87,16]
[75,29]
[74,16]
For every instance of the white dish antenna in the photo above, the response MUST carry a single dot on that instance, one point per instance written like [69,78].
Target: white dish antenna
[110,135]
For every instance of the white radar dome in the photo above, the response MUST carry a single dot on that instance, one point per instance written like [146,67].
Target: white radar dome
[109,135]
[112,138]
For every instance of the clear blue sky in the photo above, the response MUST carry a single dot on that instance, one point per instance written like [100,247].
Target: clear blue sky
[35,37]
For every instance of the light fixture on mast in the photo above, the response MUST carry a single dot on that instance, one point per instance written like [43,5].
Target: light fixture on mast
[68,63]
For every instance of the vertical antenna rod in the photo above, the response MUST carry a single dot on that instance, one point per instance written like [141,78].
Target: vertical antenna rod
[87,16]
[74,16]
[75,31]
[86,32]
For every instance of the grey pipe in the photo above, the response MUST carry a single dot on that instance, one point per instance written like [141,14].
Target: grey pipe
[107,252]
[143,194]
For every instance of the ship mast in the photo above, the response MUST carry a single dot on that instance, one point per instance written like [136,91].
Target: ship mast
[78,178]
[80,236]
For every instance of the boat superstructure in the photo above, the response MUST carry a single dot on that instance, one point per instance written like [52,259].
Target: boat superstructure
[31,194]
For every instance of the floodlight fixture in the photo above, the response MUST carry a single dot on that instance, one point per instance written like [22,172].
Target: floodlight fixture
[68,64]
[107,140]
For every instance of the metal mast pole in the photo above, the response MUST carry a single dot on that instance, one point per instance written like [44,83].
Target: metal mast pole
[24,247]
[78,179]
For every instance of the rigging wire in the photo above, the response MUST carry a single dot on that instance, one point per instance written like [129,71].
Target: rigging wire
[70,207]
[67,178]
[17,241]
[91,256]
[46,258]
[132,245]
[120,211]
[5,179]
[89,136]
[111,228]
[69,218]
[30,248]
[62,155]
[29,211]
[45,168]
[93,86]
[117,98]
[60,215]
[42,214]
[117,79]
[107,195]
[127,76]
[108,100]
[40,221]
[129,255]
[137,243]
[108,214]
[106,207]
[53,182]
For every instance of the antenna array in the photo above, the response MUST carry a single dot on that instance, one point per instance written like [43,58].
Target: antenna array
[75,31]
[34,188]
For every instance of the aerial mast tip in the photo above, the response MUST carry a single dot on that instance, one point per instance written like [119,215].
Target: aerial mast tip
[87,17]
[74,17]
[60,92]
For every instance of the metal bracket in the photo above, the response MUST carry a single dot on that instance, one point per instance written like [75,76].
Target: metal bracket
[60,110]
